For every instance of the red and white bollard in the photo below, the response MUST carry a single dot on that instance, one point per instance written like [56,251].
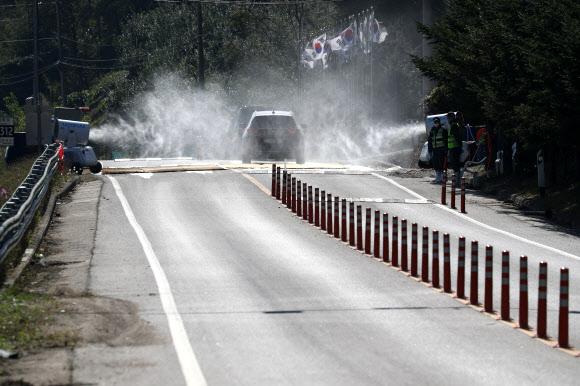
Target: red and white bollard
[425,256]
[305,201]
[446,264]
[323,210]
[337,217]
[453,182]
[404,250]
[488,301]
[278,183]
[564,307]
[351,236]
[435,272]
[473,295]
[293,198]
[284,178]
[524,293]
[386,258]
[310,205]
[543,301]
[299,198]
[273,180]
[444,189]
[395,242]
[359,238]
[414,269]
[329,214]
[343,217]
[505,285]
[463,195]
[377,234]
[288,191]
[368,231]
[316,207]
[461,269]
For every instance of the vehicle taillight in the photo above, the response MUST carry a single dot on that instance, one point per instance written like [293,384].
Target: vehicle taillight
[253,131]
[293,131]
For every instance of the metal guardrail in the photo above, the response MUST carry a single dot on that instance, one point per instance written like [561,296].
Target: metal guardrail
[18,212]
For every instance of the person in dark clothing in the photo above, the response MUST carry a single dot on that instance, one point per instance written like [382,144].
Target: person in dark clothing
[437,146]
[454,143]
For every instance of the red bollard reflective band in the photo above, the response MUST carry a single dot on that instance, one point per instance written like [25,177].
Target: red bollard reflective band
[453,182]
[473,295]
[284,175]
[414,269]
[446,264]
[278,183]
[435,273]
[488,301]
[386,257]
[425,256]
[395,242]
[316,207]
[273,180]
[444,189]
[461,269]
[368,231]
[564,307]
[305,201]
[543,301]
[505,285]
[337,217]
[329,214]
[404,250]
[343,235]
[351,236]
[323,210]
[524,293]
[359,238]
[377,235]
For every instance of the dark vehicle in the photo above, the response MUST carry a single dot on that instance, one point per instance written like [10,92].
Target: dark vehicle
[272,134]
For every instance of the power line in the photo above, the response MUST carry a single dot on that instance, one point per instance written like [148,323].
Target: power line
[31,77]
[86,44]
[23,40]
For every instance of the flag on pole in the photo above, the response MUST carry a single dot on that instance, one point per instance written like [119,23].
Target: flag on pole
[369,31]
[348,37]
[307,57]
[362,35]
[378,32]
[318,45]
[336,43]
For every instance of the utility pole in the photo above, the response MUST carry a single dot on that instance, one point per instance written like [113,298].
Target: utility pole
[35,99]
[200,46]
[60,57]
[427,48]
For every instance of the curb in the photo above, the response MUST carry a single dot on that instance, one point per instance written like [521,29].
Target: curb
[38,235]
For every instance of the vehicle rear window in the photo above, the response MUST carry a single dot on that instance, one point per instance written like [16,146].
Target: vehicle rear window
[273,122]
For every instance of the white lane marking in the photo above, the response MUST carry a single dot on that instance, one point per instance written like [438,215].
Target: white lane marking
[519,238]
[189,364]
[199,172]
[143,175]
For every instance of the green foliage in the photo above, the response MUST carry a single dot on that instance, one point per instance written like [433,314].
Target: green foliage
[511,63]
[13,109]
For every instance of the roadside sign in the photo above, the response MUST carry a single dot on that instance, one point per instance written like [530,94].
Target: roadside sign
[6,131]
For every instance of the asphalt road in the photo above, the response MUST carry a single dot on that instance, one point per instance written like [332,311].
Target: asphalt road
[241,291]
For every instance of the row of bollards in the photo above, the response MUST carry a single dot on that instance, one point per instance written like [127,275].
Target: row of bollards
[318,210]
[453,187]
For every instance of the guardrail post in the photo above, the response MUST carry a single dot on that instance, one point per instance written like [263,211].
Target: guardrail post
[386,258]
[377,234]
[543,301]
[395,242]
[563,315]
[524,293]
[505,285]
[473,296]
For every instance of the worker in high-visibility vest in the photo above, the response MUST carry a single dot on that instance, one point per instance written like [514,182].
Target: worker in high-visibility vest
[454,143]
[437,146]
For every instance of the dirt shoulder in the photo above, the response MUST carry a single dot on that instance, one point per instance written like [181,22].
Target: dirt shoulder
[68,316]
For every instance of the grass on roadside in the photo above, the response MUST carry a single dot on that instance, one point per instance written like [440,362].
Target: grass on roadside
[12,175]
[25,321]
